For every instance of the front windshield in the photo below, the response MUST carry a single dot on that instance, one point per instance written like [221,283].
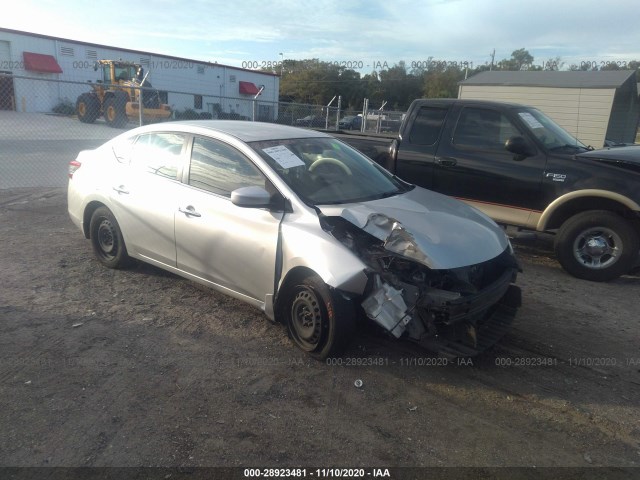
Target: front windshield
[548,132]
[326,171]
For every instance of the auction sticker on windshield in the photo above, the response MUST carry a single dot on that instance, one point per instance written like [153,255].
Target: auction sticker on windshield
[530,119]
[285,157]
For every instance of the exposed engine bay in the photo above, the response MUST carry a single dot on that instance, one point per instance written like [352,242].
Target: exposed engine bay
[456,312]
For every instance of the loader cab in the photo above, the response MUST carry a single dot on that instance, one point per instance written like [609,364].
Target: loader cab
[115,72]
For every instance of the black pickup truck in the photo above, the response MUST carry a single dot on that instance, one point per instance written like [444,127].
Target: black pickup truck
[522,169]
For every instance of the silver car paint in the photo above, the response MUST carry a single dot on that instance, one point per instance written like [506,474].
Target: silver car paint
[447,234]
[427,227]
[304,244]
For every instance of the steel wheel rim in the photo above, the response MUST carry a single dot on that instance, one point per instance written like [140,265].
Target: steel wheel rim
[306,319]
[82,109]
[597,248]
[107,239]
[111,113]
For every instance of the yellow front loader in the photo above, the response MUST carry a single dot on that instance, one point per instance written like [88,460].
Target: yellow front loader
[117,96]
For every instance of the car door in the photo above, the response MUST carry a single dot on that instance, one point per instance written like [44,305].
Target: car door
[416,156]
[230,246]
[144,195]
[474,165]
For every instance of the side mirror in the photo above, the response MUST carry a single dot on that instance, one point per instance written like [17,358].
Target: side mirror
[518,145]
[251,197]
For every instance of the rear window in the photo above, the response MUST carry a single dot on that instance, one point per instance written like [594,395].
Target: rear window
[427,125]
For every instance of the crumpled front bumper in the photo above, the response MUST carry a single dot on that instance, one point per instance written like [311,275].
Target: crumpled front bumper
[447,322]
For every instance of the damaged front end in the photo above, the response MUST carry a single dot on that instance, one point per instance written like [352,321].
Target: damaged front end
[453,311]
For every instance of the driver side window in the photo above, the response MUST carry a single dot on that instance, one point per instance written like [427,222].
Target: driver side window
[483,128]
[219,168]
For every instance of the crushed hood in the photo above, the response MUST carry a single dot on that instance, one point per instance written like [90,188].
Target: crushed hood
[427,227]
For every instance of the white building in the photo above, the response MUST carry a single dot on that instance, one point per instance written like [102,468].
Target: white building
[59,69]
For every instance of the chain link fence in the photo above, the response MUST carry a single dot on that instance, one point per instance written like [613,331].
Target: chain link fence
[44,123]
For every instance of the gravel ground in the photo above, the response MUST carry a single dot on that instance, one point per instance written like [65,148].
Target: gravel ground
[142,368]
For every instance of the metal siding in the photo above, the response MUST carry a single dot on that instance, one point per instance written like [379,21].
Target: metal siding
[5,54]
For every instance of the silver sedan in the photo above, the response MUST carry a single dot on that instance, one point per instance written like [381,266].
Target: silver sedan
[301,226]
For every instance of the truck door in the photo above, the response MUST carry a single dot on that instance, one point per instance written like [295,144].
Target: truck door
[415,158]
[473,165]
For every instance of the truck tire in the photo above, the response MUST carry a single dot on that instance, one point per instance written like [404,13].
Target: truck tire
[87,108]
[597,245]
[115,113]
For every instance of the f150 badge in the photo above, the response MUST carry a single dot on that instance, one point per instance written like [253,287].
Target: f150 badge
[557,177]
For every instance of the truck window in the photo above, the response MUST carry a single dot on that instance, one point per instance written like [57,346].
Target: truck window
[427,125]
[485,128]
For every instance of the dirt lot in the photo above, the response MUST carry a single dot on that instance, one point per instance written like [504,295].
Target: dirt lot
[139,367]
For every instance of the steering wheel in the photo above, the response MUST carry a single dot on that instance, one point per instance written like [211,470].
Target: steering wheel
[329,161]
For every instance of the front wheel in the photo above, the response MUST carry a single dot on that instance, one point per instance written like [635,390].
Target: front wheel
[106,239]
[87,108]
[597,245]
[115,111]
[319,320]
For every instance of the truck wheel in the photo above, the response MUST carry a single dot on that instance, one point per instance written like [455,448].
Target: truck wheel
[87,108]
[319,321]
[115,113]
[597,245]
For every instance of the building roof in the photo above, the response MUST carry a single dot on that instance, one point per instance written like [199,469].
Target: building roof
[139,52]
[602,79]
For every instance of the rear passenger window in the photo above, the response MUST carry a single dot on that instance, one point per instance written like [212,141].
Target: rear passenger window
[219,168]
[158,153]
[427,125]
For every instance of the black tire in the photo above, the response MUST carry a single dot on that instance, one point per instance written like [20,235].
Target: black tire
[320,322]
[597,245]
[87,108]
[115,113]
[106,239]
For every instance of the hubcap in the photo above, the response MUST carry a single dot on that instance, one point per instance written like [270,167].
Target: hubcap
[597,247]
[306,318]
[107,238]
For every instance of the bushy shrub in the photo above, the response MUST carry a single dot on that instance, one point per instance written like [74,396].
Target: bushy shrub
[64,107]
[187,114]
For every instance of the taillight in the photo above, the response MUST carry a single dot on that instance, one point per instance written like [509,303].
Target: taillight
[73,166]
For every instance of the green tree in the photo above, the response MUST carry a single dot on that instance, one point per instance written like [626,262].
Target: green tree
[520,59]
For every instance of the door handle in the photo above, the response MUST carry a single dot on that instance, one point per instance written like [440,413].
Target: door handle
[189,211]
[121,189]
[446,161]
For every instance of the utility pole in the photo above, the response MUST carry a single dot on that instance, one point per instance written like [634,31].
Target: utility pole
[493,56]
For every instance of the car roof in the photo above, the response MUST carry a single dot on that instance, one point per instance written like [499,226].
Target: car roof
[242,130]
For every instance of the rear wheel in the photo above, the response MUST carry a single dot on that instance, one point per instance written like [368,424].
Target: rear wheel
[87,108]
[597,245]
[320,321]
[115,113]
[106,239]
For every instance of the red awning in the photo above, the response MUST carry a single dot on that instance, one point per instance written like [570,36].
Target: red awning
[38,62]
[248,88]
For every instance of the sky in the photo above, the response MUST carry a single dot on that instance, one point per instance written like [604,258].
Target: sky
[364,35]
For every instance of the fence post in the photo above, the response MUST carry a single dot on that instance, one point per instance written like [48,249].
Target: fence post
[140,103]
[365,108]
